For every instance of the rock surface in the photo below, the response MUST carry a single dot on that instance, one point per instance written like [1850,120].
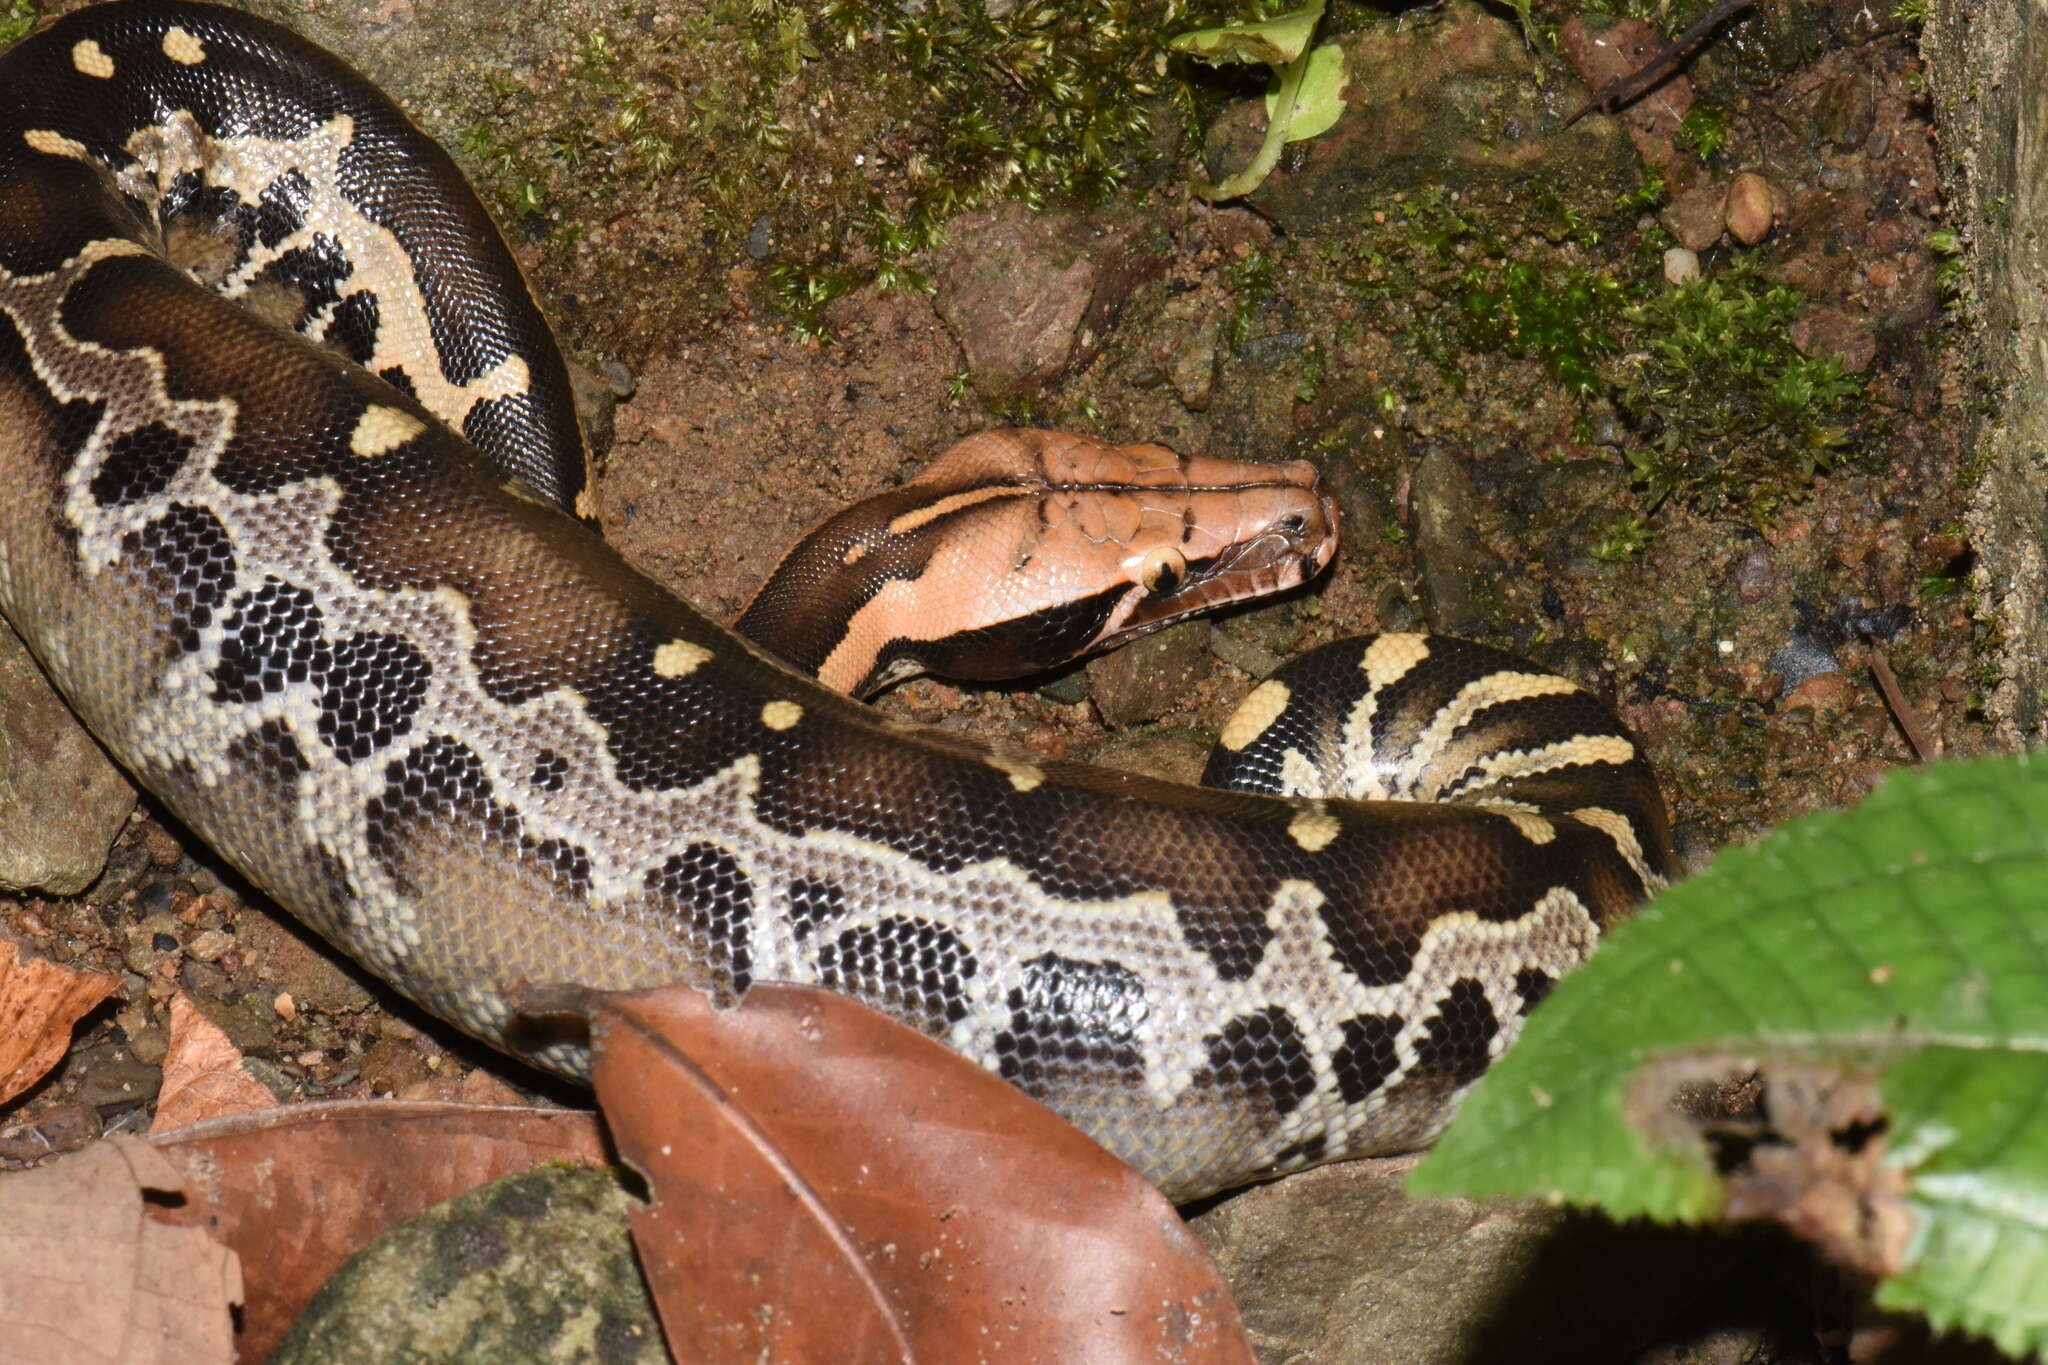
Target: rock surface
[62,800]
[1448,97]
[532,1268]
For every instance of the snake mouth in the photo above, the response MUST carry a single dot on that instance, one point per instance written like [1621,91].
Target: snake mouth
[1285,553]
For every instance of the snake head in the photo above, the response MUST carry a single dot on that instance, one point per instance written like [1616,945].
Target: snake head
[1017,551]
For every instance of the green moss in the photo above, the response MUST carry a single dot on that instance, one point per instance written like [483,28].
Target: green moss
[1621,540]
[1251,290]
[1736,416]
[1557,313]
[17,17]
[1726,414]
[1704,130]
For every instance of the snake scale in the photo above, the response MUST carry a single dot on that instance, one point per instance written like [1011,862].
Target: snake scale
[438,720]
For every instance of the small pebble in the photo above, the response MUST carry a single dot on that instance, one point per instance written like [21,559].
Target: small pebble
[1749,208]
[1681,266]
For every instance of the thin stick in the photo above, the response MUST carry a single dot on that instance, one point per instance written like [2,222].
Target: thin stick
[1925,748]
[1660,68]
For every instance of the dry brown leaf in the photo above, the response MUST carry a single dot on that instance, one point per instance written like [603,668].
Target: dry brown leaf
[87,1277]
[829,1185]
[203,1076]
[40,1001]
[298,1190]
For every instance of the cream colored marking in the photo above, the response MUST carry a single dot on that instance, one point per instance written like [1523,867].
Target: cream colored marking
[91,60]
[1619,828]
[1314,829]
[1578,751]
[780,715]
[1523,817]
[1388,658]
[854,553]
[1260,708]
[55,144]
[381,430]
[248,166]
[182,48]
[1023,776]
[679,659]
[1495,689]
[953,502]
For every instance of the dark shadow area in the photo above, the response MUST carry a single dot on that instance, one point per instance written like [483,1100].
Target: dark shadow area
[1598,1291]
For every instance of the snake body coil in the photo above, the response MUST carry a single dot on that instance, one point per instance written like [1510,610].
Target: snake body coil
[452,731]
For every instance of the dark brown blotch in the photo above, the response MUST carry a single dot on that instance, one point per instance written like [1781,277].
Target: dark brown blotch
[1261,1053]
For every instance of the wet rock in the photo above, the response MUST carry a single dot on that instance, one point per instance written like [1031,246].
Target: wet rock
[1461,575]
[534,1267]
[1847,110]
[1337,1264]
[1694,219]
[1029,296]
[1441,97]
[61,800]
[1149,677]
[1823,331]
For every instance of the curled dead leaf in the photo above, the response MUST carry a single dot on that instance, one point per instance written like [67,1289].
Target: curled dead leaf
[829,1185]
[40,1002]
[296,1191]
[86,1275]
[203,1075]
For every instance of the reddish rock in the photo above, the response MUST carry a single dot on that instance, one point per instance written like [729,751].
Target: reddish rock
[1694,218]
[1823,331]
[1751,208]
[1827,694]
[1030,295]
[1617,52]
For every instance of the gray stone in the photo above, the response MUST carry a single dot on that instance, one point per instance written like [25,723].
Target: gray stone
[1149,677]
[532,1268]
[62,800]
[1337,1266]
[1988,65]
[1461,574]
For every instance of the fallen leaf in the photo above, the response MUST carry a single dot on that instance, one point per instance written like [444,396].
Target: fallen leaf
[296,1191]
[86,1276]
[40,1001]
[829,1185]
[203,1075]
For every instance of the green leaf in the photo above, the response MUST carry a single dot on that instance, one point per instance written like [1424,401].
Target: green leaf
[1969,1125]
[1308,87]
[1320,102]
[1275,42]
[1905,943]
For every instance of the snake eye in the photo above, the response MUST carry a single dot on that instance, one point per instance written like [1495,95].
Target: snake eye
[1294,523]
[1164,569]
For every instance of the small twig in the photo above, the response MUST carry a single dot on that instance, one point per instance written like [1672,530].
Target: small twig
[1925,748]
[1660,68]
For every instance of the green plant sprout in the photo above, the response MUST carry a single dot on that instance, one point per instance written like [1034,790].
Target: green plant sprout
[1308,85]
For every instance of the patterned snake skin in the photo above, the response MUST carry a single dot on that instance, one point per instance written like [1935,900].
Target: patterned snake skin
[444,725]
